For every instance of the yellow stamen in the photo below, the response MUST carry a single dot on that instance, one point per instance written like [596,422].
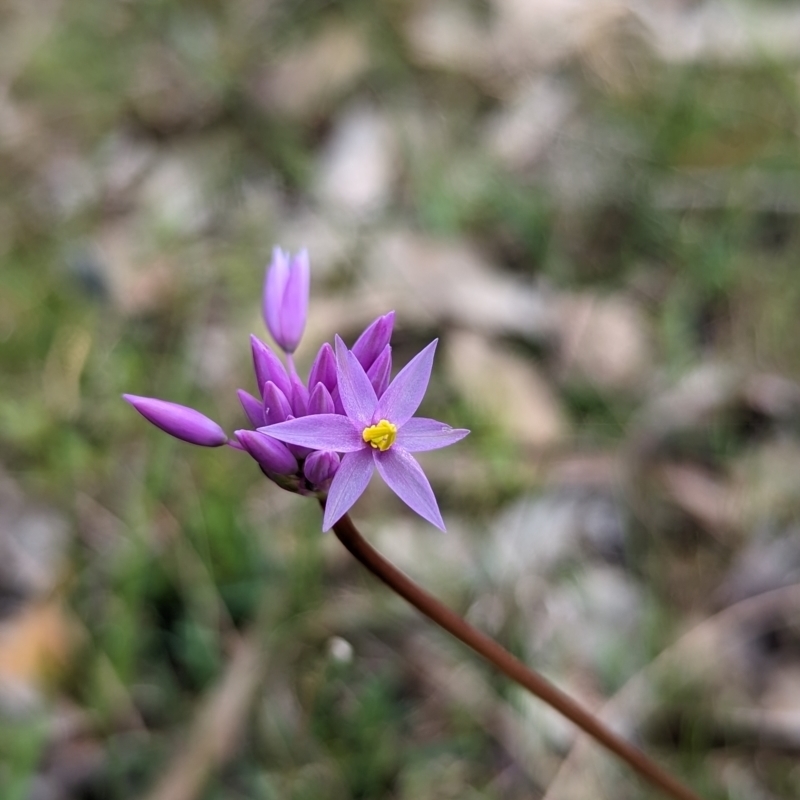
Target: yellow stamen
[380,436]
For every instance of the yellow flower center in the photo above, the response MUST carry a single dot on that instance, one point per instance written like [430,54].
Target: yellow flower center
[380,436]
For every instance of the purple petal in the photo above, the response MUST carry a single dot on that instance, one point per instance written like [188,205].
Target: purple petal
[320,467]
[276,405]
[294,309]
[268,367]
[320,432]
[348,485]
[399,402]
[420,434]
[406,479]
[274,288]
[320,401]
[252,408]
[299,397]
[356,392]
[371,343]
[179,421]
[381,370]
[271,455]
[323,370]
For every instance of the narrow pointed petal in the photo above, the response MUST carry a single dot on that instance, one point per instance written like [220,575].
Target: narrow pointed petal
[320,432]
[348,485]
[252,408]
[420,433]
[399,402]
[276,405]
[320,401]
[370,344]
[299,397]
[274,287]
[320,467]
[268,367]
[356,392]
[270,454]
[406,479]
[381,370]
[323,370]
[179,421]
[294,309]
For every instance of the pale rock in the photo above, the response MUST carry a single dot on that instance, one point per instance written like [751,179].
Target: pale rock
[330,245]
[592,620]
[446,35]
[518,37]
[307,79]
[535,534]
[435,280]
[604,340]
[507,390]
[544,32]
[173,195]
[357,165]
[33,544]
[124,161]
[719,32]
[519,133]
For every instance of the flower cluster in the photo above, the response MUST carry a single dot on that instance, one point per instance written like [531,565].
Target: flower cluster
[325,437]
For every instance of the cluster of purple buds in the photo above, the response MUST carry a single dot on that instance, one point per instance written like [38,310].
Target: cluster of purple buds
[324,437]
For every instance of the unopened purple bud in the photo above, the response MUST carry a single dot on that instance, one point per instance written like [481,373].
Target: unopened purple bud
[323,370]
[268,367]
[369,345]
[299,397]
[381,370]
[271,455]
[286,298]
[252,408]
[276,406]
[179,421]
[320,401]
[320,467]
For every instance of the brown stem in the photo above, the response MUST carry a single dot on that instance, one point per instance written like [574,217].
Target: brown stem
[385,571]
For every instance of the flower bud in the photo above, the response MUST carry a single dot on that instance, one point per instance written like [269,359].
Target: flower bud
[179,421]
[252,408]
[299,397]
[271,455]
[320,467]
[268,367]
[371,343]
[323,370]
[285,302]
[381,370]
[276,406]
[320,401]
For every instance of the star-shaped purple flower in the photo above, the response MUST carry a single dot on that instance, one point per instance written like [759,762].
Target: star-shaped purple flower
[375,434]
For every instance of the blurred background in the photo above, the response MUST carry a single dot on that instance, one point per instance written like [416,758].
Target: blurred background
[594,205]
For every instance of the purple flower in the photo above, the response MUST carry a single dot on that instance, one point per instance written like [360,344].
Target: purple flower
[375,434]
[285,302]
[179,421]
